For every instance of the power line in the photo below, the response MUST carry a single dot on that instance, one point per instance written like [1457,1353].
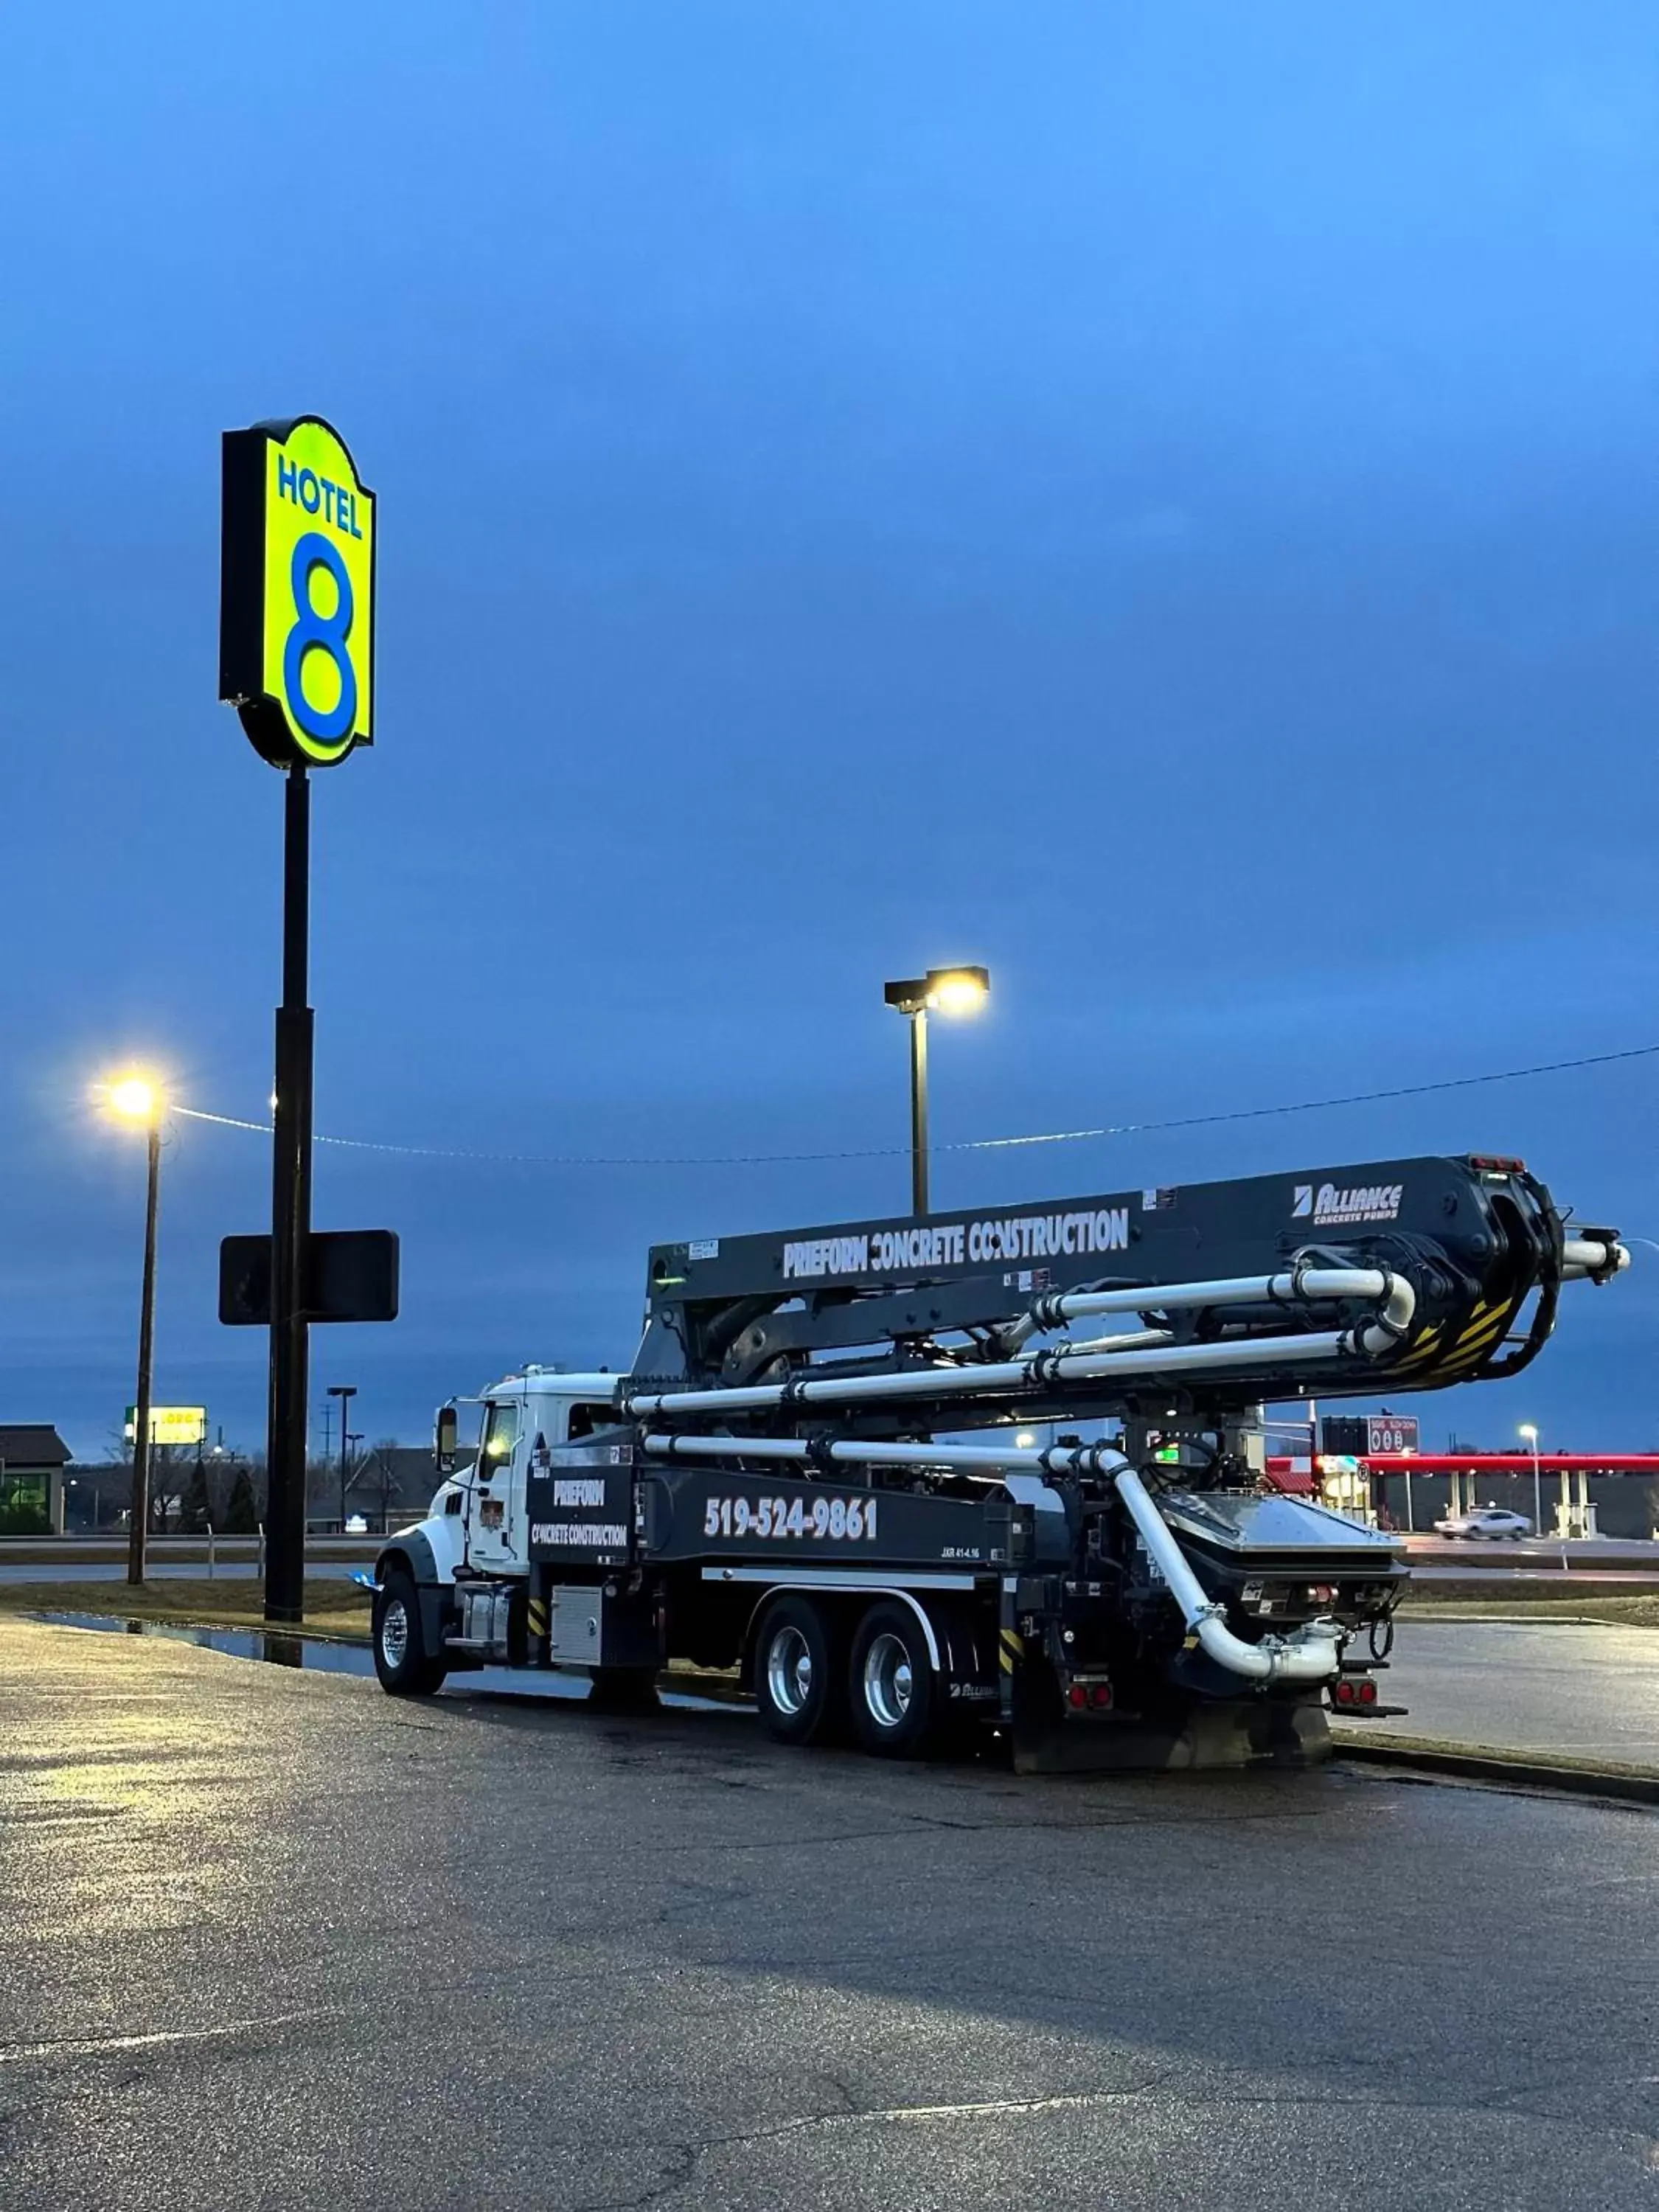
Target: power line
[964,1144]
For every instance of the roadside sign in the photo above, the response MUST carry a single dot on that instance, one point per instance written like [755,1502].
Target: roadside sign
[1390,1432]
[296,592]
[168,1424]
[350,1274]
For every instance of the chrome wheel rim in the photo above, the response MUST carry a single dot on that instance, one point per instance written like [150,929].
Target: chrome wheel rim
[789,1671]
[887,1679]
[394,1634]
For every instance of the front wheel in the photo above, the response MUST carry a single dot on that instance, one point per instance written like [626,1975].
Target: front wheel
[405,1668]
[894,1691]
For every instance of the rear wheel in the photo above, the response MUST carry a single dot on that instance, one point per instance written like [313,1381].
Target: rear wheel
[894,1691]
[404,1665]
[797,1674]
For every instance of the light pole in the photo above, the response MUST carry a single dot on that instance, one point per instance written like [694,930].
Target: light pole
[944,991]
[1529,1430]
[137,1101]
[345,1391]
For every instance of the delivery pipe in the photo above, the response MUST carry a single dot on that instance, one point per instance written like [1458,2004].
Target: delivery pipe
[973,1459]
[1038,1367]
[1599,1258]
[1302,1284]
[1314,1654]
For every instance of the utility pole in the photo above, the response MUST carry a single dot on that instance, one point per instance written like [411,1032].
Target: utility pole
[345,1391]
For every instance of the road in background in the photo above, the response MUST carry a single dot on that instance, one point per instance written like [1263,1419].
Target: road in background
[268,1938]
[1586,1554]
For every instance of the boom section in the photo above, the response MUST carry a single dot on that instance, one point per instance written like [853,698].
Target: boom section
[1413,1274]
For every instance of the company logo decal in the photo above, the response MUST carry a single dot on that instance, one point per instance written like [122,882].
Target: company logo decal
[1334,1207]
[949,1245]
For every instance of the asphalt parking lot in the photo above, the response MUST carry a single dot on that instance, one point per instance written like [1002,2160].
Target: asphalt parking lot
[269,1939]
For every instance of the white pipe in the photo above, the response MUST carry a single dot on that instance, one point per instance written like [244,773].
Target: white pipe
[1053,1459]
[1002,1375]
[1592,1255]
[1132,1339]
[1313,1655]
[1305,1284]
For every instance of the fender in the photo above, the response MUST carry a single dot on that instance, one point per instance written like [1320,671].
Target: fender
[413,1548]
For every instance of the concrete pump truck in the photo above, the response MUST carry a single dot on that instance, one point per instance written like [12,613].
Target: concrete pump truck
[823,1466]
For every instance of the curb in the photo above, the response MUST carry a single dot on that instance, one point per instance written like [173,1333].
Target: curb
[1507,1770]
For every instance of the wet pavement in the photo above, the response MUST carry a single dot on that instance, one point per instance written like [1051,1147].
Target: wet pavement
[1589,1690]
[271,1940]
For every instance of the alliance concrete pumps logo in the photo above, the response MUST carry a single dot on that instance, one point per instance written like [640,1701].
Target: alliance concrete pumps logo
[1332,1206]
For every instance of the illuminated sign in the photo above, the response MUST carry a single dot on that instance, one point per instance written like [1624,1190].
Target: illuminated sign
[296,592]
[169,1424]
[1390,1432]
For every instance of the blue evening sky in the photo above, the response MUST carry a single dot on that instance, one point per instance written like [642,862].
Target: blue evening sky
[1161,501]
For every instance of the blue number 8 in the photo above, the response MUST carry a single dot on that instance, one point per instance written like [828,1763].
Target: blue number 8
[323,633]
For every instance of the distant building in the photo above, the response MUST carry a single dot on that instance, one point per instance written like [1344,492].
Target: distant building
[32,1457]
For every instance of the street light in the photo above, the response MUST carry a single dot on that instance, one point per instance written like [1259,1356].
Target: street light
[1528,1430]
[138,1101]
[345,1391]
[952,991]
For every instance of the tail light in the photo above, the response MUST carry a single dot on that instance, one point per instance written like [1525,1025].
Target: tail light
[1344,1693]
[1078,1696]
[1367,1691]
[1322,1593]
[1100,1696]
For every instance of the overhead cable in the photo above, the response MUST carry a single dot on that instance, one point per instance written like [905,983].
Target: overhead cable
[962,1144]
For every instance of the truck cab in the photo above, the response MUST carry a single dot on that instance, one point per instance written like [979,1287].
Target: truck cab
[478,1528]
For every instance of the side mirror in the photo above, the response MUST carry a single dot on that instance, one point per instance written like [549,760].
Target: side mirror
[444,1448]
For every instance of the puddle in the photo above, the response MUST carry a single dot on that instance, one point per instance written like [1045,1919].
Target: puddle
[275,1648]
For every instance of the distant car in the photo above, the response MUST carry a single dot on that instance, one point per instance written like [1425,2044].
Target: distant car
[1489,1521]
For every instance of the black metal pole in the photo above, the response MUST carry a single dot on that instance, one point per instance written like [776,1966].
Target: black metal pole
[919,1110]
[291,1228]
[138,1531]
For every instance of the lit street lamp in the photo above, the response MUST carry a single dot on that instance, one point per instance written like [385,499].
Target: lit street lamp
[944,991]
[1529,1430]
[138,1101]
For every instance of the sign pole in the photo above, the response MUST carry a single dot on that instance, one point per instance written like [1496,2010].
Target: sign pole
[298,554]
[290,1226]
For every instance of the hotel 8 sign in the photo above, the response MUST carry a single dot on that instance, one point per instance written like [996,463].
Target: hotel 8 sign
[296,599]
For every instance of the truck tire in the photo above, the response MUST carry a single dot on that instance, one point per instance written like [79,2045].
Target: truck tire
[893,1688]
[401,1660]
[797,1672]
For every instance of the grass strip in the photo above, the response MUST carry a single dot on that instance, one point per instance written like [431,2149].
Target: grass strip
[334,1606]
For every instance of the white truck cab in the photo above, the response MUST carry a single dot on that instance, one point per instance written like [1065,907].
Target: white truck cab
[478,1523]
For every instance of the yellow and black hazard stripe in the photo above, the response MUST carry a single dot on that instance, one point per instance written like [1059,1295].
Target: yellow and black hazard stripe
[538,1619]
[1436,1354]
[1011,1650]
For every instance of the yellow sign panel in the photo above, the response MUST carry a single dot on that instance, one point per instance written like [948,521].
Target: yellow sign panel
[297,653]
[170,1424]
